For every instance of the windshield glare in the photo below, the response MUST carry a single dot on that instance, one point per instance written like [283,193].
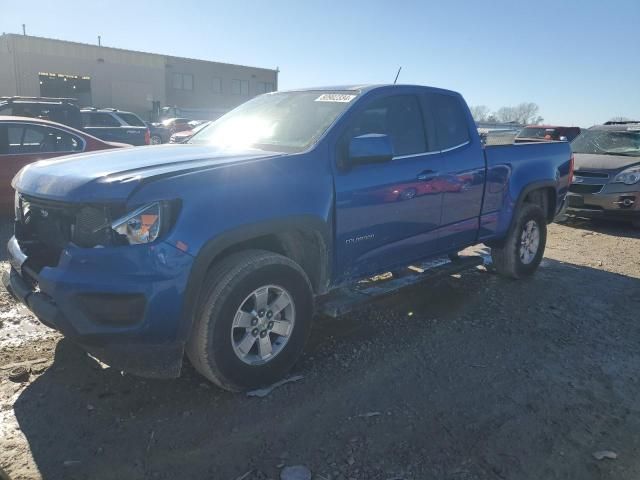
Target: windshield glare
[605,142]
[288,122]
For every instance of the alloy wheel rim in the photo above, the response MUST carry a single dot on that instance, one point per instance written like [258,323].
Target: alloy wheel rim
[529,242]
[263,324]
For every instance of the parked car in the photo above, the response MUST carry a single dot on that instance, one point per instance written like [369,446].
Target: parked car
[606,182]
[177,124]
[184,135]
[546,133]
[60,110]
[115,125]
[158,132]
[26,140]
[108,124]
[222,247]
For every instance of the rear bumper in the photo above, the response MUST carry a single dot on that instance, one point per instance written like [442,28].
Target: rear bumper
[128,318]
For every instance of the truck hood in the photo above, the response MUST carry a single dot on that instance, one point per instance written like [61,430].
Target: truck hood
[588,161]
[112,175]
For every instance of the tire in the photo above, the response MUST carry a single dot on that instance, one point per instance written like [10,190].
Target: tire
[215,345]
[509,260]
[156,140]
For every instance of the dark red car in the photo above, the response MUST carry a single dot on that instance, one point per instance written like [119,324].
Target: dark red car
[546,133]
[25,140]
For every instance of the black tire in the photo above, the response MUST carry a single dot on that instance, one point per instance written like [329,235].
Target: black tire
[156,140]
[506,258]
[226,286]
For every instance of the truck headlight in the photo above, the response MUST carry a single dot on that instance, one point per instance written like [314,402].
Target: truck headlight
[143,225]
[629,176]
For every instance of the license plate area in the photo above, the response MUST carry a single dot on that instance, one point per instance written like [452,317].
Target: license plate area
[575,201]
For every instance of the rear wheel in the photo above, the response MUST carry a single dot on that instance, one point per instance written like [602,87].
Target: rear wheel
[522,251]
[156,139]
[253,320]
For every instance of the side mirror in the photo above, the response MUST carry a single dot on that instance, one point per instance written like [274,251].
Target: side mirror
[370,148]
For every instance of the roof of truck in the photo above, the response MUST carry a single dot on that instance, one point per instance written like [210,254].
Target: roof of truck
[362,88]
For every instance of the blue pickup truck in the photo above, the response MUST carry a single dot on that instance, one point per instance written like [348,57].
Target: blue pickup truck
[222,248]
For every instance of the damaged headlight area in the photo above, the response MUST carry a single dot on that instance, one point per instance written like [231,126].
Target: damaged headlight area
[144,224]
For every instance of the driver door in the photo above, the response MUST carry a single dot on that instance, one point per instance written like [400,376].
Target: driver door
[387,214]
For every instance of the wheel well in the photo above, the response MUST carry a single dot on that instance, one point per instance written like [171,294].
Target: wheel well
[545,198]
[307,249]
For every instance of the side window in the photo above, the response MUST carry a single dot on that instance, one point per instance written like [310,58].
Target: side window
[99,119]
[451,122]
[14,137]
[26,139]
[399,117]
[58,141]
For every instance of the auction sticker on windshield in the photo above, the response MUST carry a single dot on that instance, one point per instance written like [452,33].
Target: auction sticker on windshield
[335,97]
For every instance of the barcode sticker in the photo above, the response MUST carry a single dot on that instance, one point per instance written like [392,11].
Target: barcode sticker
[335,97]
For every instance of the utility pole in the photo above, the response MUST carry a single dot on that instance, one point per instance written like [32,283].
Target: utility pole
[99,41]
[24,29]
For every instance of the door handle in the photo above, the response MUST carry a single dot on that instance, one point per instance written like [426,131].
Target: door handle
[427,175]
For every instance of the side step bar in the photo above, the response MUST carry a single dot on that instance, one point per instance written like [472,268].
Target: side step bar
[347,299]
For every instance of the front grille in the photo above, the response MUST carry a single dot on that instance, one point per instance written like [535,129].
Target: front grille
[589,174]
[583,188]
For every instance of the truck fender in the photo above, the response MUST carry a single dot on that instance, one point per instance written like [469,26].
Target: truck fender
[215,246]
[515,206]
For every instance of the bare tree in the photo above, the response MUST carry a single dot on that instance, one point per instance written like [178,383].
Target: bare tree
[506,115]
[524,113]
[480,113]
[620,119]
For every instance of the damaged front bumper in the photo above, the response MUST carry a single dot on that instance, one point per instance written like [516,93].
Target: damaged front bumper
[121,304]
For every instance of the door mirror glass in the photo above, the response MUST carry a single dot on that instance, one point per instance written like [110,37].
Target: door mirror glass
[370,148]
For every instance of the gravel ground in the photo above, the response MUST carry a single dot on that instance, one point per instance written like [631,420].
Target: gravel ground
[474,377]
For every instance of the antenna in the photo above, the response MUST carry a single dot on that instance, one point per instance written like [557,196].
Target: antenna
[397,75]
[99,41]
[24,29]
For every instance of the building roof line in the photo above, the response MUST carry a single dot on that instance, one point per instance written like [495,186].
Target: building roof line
[16,35]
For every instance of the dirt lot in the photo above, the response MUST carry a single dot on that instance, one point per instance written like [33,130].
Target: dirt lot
[474,377]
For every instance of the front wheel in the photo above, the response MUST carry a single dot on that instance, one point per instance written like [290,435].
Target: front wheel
[253,320]
[522,251]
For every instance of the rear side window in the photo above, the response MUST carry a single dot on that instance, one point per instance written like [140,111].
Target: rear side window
[450,120]
[399,117]
[130,119]
[99,119]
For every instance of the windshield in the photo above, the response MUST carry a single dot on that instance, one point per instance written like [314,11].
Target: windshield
[289,122]
[608,142]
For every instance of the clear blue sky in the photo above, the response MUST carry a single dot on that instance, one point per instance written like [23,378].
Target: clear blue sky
[578,60]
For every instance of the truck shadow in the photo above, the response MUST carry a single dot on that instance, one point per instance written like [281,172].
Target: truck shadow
[478,362]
